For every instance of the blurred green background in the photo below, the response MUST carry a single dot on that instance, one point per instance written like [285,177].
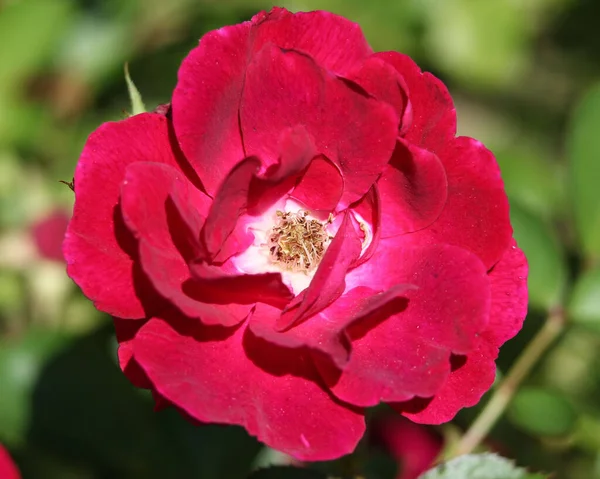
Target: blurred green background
[525,76]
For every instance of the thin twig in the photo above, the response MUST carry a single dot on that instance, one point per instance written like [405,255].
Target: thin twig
[507,389]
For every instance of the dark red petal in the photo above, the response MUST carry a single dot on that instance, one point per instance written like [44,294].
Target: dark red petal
[223,284]
[328,282]
[407,354]
[224,376]
[94,243]
[125,330]
[247,190]
[467,383]
[383,81]
[433,114]
[334,42]
[206,101]
[320,188]
[325,332]
[476,214]
[150,214]
[285,88]
[369,209]
[413,190]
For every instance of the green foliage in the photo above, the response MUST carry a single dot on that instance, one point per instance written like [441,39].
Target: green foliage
[542,412]
[547,268]
[287,472]
[480,466]
[137,105]
[583,154]
[584,304]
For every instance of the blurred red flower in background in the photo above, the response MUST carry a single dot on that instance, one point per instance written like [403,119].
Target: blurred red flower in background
[414,446]
[8,469]
[300,237]
[48,234]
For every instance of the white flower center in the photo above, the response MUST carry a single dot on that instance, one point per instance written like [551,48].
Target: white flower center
[288,240]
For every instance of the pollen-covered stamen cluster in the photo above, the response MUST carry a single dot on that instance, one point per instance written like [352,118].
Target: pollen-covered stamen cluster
[298,242]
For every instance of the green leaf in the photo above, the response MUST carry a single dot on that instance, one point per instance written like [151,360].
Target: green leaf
[532,180]
[547,267]
[583,148]
[21,364]
[286,472]
[29,33]
[137,105]
[584,305]
[542,412]
[479,466]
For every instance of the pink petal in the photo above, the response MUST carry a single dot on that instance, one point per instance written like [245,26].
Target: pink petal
[8,469]
[97,245]
[325,331]
[145,200]
[476,213]
[285,88]
[230,376]
[245,189]
[433,114]
[413,190]
[332,41]
[405,354]
[320,188]
[328,282]
[206,100]
[467,383]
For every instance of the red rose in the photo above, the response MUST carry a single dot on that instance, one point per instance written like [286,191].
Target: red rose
[8,470]
[301,237]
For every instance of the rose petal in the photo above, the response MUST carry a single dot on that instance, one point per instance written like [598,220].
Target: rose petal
[332,41]
[232,377]
[467,383]
[407,354]
[320,188]
[206,100]
[413,190]
[145,201]
[325,332]
[328,282]
[285,88]
[382,81]
[476,215]
[125,331]
[97,244]
[368,209]
[433,114]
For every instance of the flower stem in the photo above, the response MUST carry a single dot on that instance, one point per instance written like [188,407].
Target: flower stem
[507,389]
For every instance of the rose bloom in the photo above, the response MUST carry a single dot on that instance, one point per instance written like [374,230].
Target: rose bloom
[301,236]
